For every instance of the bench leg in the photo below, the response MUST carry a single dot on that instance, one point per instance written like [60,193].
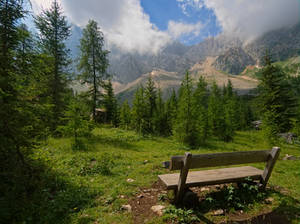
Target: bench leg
[270,165]
[182,178]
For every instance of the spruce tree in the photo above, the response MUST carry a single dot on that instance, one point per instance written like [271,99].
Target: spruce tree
[215,111]
[53,32]
[185,128]
[160,118]
[171,111]
[139,112]
[276,100]
[125,116]
[200,104]
[110,104]
[150,105]
[93,62]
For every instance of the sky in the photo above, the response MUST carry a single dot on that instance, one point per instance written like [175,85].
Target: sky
[146,26]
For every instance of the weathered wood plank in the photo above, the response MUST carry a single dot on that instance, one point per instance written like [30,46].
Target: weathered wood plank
[221,159]
[211,177]
[274,154]
[183,175]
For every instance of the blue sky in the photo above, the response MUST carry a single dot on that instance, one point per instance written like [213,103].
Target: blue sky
[162,11]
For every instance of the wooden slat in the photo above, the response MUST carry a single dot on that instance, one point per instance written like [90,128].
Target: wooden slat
[211,177]
[221,159]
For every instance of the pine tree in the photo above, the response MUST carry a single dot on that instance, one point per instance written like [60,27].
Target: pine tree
[110,104]
[93,61]
[150,105]
[185,127]
[160,118]
[171,111]
[200,105]
[276,100]
[125,116]
[14,135]
[139,112]
[215,111]
[54,31]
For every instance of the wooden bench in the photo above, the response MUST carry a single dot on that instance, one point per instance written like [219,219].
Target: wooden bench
[180,182]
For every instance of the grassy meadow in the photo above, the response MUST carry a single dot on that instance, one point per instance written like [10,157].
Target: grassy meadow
[91,185]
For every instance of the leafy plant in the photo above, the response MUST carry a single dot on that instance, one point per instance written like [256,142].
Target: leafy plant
[94,167]
[182,216]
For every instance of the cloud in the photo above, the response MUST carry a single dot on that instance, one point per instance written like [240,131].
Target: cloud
[179,29]
[249,19]
[123,22]
[185,5]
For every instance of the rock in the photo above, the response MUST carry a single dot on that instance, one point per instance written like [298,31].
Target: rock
[129,180]
[269,200]
[204,189]
[218,212]
[126,208]
[257,124]
[146,190]
[290,157]
[288,137]
[158,209]
[140,196]
[122,196]
[146,161]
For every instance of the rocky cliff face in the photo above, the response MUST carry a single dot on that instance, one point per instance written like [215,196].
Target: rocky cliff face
[233,61]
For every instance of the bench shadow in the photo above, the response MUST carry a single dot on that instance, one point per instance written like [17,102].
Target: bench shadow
[36,194]
[286,212]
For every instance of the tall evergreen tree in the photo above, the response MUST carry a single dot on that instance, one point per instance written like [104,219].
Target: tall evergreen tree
[215,111]
[54,31]
[139,111]
[125,116]
[185,128]
[110,104]
[276,100]
[160,118]
[150,105]
[171,111]
[93,61]
[200,107]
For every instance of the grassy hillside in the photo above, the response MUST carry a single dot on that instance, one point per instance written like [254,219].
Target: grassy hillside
[90,186]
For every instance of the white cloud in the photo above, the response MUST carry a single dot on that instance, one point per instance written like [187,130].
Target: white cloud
[178,29]
[249,19]
[123,22]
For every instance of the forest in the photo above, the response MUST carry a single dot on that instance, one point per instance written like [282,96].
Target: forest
[69,156]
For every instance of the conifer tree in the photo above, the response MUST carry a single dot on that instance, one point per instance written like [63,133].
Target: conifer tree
[93,62]
[200,105]
[150,105]
[110,104]
[215,111]
[171,111]
[54,31]
[139,111]
[185,127]
[125,116]
[160,118]
[276,100]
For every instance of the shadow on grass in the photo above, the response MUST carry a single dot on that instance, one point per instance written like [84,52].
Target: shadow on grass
[36,194]
[113,141]
[288,210]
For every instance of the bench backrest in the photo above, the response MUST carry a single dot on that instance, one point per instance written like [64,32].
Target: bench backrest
[220,159]
[189,161]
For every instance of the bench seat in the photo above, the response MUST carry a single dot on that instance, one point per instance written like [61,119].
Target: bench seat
[212,177]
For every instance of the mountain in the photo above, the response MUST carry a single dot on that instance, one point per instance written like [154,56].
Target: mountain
[217,58]
[233,61]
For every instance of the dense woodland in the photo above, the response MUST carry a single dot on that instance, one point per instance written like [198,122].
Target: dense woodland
[37,101]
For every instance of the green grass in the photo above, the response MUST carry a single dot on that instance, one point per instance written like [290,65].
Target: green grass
[73,187]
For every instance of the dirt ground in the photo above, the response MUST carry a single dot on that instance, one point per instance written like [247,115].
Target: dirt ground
[147,197]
